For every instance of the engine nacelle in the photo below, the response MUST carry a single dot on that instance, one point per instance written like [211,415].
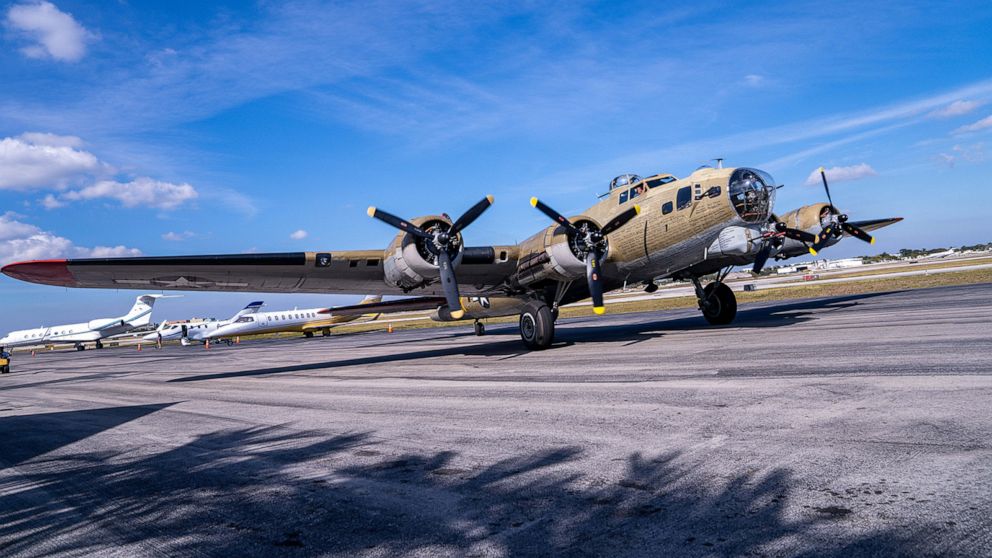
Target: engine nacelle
[551,255]
[410,263]
[809,218]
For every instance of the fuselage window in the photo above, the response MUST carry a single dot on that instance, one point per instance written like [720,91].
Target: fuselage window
[371,263]
[683,198]
[623,197]
[667,208]
[636,191]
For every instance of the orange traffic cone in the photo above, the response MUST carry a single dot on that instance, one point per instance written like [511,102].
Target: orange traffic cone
[32,352]
[389,329]
[206,345]
[237,340]
[139,347]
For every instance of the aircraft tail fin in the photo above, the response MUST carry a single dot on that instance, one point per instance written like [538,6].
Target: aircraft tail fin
[141,313]
[252,308]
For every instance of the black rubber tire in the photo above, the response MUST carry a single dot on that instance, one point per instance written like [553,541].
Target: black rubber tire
[98,345]
[480,329]
[537,327]
[722,304]
[5,369]
[308,334]
[81,348]
[326,332]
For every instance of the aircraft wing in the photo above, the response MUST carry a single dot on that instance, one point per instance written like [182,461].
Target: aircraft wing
[352,272]
[873,224]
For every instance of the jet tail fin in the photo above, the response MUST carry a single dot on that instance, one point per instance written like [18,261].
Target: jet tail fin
[252,308]
[141,313]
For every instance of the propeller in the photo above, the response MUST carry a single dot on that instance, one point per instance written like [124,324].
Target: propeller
[838,224]
[441,241]
[588,242]
[773,239]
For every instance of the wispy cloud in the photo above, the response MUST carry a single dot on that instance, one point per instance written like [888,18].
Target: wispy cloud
[140,192]
[298,234]
[982,124]
[178,236]
[957,108]
[841,174]
[52,32]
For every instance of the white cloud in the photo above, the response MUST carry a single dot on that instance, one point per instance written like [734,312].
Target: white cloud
[982,124]
[754,80]
[23,241]
[54,33]
[28,162]
[957,108]
[178,237]
[141,191]
[298,235]
[51,202]
[974,153]
[841,174]
[55,140]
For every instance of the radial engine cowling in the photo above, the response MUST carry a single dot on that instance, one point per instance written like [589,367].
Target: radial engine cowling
[552,255]
[411,261]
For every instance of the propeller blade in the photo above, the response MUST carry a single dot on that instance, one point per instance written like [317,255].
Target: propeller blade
[554,215]
[471,215]
[858,233]
[450,285]
[620,220]
[801,236]
[822,239]
[395,221]
[823,175]
[761,258]
[595,282]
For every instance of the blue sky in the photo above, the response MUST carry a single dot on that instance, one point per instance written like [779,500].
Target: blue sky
[174,128]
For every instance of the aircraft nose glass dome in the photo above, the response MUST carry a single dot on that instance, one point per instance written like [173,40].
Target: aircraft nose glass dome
[753,194]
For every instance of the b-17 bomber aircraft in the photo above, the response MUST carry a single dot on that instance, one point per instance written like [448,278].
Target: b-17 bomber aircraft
[642,229]
[85,332]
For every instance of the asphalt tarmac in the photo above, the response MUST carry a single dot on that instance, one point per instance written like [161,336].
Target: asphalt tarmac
[845,426]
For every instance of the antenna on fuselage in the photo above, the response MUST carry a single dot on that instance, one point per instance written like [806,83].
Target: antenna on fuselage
[719,162]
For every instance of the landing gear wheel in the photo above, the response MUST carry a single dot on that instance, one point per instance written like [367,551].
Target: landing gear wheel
[99,345]
[719,305]
[80,348]
[480,329]
[537,327]
[308,334]
[326,332]
[5,369]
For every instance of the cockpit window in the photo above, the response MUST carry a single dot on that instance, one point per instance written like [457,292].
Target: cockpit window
[655,182]
[624,180]
[637,191]
[752,192]
[244,319]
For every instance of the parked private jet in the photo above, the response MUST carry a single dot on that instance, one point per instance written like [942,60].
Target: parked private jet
[186,331]
[307,320]
[85,332]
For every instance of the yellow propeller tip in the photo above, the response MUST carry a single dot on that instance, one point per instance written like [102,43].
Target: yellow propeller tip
[599,309]
[371,211]
[637,209]
[872,241]
[821,169]
[490,198]
[812,251]
[457,314]
[533,202]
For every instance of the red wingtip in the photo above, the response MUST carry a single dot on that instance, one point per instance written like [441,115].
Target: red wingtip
[46,272]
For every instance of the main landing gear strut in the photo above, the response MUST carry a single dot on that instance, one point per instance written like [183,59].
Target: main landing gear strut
[716,300]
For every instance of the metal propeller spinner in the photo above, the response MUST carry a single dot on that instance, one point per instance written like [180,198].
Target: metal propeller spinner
[442,242]
[588,242]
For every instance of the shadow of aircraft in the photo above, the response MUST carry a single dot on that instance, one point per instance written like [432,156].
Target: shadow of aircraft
[772,316]
[23,437]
